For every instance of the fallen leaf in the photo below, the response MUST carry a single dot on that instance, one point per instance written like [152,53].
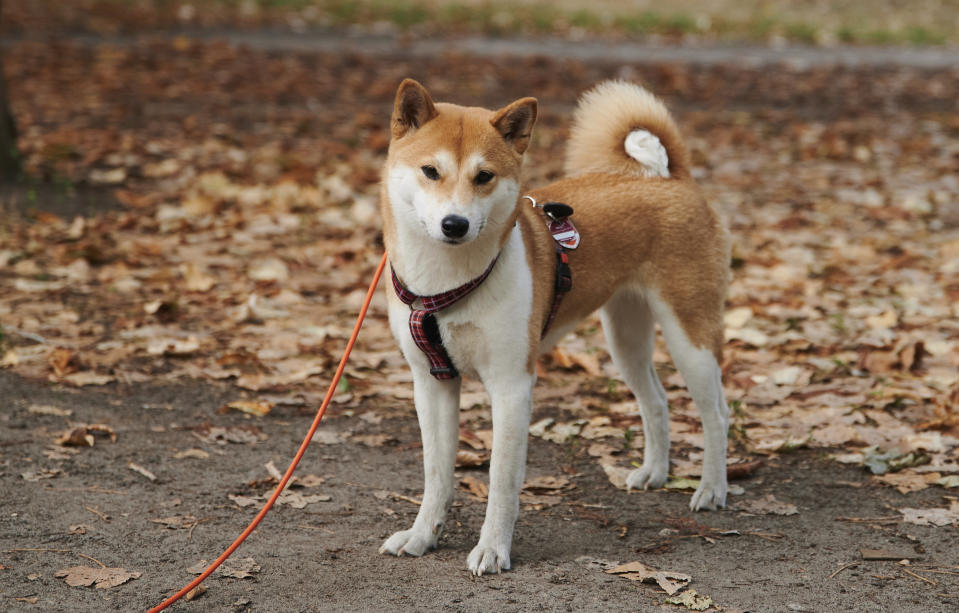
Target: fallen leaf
[616,474]
[62,361]
[299,501]
[101,578]
[85,436]
[469,437]
[932,517]
[177,522]
[173,346]
[238,568]
[43,409]
[251,407]
[327,437]
[691,600]
[88,377]
[475,487]
[373,440]
[9,359]
[546,484]
[948,481]
[233,434]
[42,473]
[670,582]
[195,593]
[470,459]
[243,501]
[886,554]
[141,470]
[682,484]
[767,505]
[907,481]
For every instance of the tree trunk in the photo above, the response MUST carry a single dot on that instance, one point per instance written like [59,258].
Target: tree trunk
[9,157]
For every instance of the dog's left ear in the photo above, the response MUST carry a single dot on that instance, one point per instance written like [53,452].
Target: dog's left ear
[515,122]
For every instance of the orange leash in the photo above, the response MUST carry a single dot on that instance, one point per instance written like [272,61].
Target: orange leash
[296,459]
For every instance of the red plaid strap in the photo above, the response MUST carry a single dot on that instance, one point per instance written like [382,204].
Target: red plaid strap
[423,326]
[564,283]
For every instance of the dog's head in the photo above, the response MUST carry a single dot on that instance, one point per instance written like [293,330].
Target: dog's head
[454,171]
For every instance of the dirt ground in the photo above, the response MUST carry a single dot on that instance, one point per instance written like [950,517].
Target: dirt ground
[324,557]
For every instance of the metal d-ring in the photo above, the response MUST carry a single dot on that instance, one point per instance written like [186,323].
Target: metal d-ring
[533,200]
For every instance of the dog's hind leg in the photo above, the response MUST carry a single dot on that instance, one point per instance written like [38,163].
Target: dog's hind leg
[437,409]
[703,376]
[628,325]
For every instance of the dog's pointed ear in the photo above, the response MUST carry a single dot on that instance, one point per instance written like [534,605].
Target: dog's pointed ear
[413,107]
[515,122]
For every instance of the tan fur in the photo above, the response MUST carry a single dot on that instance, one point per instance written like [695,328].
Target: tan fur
[655,233]
[621,108]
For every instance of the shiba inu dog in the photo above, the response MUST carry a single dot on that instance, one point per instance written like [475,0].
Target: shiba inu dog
[481,282]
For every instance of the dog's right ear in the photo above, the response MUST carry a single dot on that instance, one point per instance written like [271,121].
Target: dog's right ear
[413,107]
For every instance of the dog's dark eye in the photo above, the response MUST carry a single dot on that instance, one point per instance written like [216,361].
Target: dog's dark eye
[483,176]
[430,172]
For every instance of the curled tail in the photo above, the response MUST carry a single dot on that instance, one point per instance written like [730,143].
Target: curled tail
[621,128]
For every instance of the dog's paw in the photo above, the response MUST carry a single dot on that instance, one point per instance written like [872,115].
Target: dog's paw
[710,495]
[488,560]
[411,542]
[646,477]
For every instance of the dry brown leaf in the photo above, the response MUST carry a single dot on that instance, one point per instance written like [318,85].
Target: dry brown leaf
[101,578]
[468,437]
[88,377]
[85,436]
[9,359]
[907,481]
[44,409]
[173,346]
[670,582]
[177,522]
[547,484]
[233,434]
[141,470]
[238,568]
[475,487]
[767,505]
[373,440]
[42,473]
[934,516]
[62,361]
[470,459]
[569,359]
[252,407]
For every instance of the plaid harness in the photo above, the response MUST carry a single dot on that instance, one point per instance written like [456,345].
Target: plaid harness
[426,332]
[423,326]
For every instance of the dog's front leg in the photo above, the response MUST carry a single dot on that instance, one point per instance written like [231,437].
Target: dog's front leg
[511,400]
[437,408]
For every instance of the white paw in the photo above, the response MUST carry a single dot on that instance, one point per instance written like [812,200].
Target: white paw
[485,559]
[710,495]
[650,475]
[412,542]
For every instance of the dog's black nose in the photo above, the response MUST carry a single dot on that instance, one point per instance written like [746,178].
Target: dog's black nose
[455,226]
